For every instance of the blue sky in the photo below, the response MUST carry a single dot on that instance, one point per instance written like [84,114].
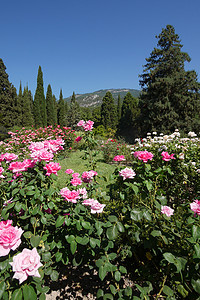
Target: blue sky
[88,45]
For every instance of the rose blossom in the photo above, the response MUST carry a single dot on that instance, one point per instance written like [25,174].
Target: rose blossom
[10,239]
[87,176]
[76,181]
[127,173]
[78,139]
[83,192]
[10,156]
[17,166]
[70,196]
[168,211]
[143,155]
[26,264]
[75,175]
[95,206]
[81,123]
[166,156]
[88,126]
[119,158]
[1,171]
[52,167]
[69,171]
[195,207]
[5,224]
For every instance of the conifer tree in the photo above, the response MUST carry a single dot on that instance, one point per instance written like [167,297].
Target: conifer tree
[119,107]
[27,116]
[170,95]
[19,107]
[73,114]
[55,119]
[108,112]
[40,112]
[50,106]
[61,110]
[8,99]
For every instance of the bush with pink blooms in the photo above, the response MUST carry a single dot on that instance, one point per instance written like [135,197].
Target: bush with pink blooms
[140,234]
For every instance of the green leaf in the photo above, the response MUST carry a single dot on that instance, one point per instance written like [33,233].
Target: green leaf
[73,247]
[182,291]
[46,256]
[156,233]
[102,273]
[108,296]
[135,189]
[28,234]
[17,295]
[54,275]
[112,219]
[18,206]
[120,227]
[122,269]
[86,225]
[35,240]
[168,291]
[60,220]
[70,238]
[196,285]
[147,215]
[43,220]
[136,215]
[112,232]
[197,250]
[58,256]
[113,289]
[2,288]
[29,293]
[42,297]
[117,276]
[100,293]
[195,232]
[169,257]
[82,240]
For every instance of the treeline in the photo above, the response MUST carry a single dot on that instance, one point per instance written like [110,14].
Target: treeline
[170,99]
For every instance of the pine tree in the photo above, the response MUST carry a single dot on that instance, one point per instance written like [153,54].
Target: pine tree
[27,116]
[40,112]
[119,108]
[108,112]
[61,110]
[19,106]
[8,99]
[170,95]
[50,106]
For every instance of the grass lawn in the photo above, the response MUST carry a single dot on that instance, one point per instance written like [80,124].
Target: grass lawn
[78,164]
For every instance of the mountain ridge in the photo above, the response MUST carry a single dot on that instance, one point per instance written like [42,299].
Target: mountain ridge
[94,99]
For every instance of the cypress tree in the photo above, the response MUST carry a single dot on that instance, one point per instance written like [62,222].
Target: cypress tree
[55,119]
[61,110]
[40,113]
[119,107]
[74,113]
[170,95]
[20,105]
[50,106]
[27,116]
[108,112]
[8,99]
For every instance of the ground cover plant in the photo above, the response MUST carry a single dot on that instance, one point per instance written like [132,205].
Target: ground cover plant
[134,222]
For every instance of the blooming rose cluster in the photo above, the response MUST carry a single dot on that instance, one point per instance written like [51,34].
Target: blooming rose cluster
[127,173]
[52,168]
[8,157]
[143,155]
[88,176]
[18,166]
[168,211]
[45,150]
[119,158]
[70,196]
[95,206]
[26,264]
[166,156]
[10,237]
[87,126]
[195,207]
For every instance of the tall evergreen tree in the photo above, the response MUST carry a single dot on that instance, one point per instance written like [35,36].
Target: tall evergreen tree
[108,112]
[27,116]
[61,110]
[19,106]
[170,95]
[119,107]
[55,119]
[74,113]
[40,112]
[8,99]
[50,106]
[130,112]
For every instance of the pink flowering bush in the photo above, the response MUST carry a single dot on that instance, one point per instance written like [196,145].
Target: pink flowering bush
[52,168]
[10,238]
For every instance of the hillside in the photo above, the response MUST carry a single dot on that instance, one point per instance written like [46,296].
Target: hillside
[95,98]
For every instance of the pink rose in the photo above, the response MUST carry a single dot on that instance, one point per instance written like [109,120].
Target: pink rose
[17,166]
[1,171]
[26,264]
[127,173]
[78,139]
[95,206]
[166,156]
[119,158]
[52,168]
[87,176]
[10,239]
[69,171]
[76,181]
[70,196]
[88,125]
[83,192]
[81,123]
[195,207]
[74,175]
[10,156]
[143,155]
[168,211]
[5,224]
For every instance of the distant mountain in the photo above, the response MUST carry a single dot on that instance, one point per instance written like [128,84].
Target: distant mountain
[95,99]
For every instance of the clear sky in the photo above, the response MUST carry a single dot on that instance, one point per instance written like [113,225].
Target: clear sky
[88,45]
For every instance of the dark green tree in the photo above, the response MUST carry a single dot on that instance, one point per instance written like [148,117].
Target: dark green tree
[74,113]
[50,106]
[40,111]
[108,112]
[8,99]
[55,119]
[119,107]
[19,106]
[130,111]
[61,110]
[27,116]
[170,95]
